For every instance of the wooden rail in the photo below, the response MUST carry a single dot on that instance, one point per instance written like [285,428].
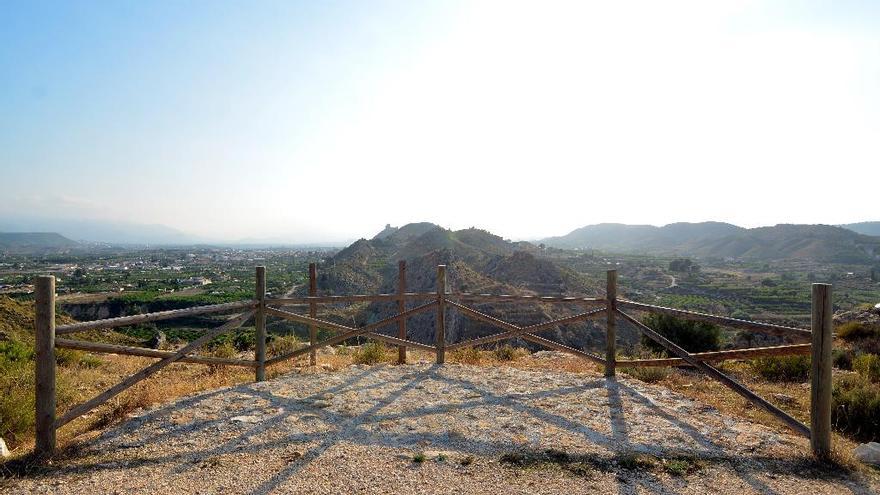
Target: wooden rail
[159,315]
[714,356]
[442,300]
[720,320]
[721,377]
[123,350]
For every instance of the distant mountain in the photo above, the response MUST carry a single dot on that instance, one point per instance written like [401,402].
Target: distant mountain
[864,228]
[23,242]
[100,230]
[823,243]
[622,237]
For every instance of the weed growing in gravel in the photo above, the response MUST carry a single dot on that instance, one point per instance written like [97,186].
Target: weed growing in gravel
[584,465]
[467,461]
[634,461]
[419,458]
[466,355]
[682,466]
[579,465]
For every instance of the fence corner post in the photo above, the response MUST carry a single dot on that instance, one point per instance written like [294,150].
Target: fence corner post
[313,313]
[441,314]
[611,323]
[260,323]
[44,371]
[820,386]
[401,307]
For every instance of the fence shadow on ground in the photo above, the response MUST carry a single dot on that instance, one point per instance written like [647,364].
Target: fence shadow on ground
[274,433]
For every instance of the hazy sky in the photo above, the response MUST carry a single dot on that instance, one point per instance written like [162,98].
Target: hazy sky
[325,120]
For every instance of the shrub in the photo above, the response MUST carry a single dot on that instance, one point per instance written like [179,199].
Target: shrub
[72,357]
[855,407]
[16,398]
[649,374]
[741,315]
[867,345]
[279,346]
[245,340]
[855,330]
[693,336]
[868,365]
[370,353]
[507,352]
[15,351]
[225,351]
[782,368]
[842,359]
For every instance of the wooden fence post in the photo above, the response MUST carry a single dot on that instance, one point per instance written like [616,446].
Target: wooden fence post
[401,307]
[820,390]
[611,323]
[260,323]
[441,314]
[44,372]
[313,312]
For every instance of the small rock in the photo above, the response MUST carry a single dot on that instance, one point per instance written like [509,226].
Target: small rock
[321,403]
[246,419]
[158,340]
[869,453]
[4,452]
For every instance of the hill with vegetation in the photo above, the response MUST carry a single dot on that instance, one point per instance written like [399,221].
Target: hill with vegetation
[822,243]
[27,242]
[478,261]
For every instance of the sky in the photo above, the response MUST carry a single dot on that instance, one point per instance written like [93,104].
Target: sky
[325,120]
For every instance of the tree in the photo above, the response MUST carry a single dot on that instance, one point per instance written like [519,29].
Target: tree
[692,336]
[683,265]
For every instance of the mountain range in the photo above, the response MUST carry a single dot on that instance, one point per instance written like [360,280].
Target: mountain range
[100,230]
[822,243]
[857,243]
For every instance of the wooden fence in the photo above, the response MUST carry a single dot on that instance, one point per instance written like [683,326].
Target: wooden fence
[589,308]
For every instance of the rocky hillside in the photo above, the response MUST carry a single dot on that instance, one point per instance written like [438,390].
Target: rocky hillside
[821,243]
[478,261]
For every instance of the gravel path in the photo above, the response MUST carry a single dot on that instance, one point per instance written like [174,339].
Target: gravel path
[480,429]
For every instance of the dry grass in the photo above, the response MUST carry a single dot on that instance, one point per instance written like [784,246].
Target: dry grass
[487,357]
